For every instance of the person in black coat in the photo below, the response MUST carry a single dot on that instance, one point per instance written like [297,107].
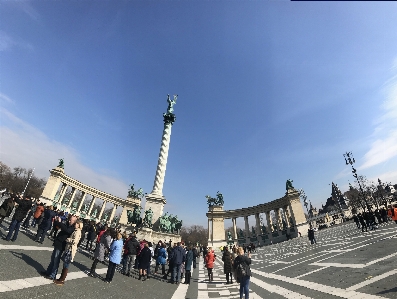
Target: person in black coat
[227,265]
[6,208]
[145,257]
[91,236]
[45,224]
[59,245]
[24,206]
[129,255]
[245,262]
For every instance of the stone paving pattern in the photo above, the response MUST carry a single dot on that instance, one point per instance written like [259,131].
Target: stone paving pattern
[345,263]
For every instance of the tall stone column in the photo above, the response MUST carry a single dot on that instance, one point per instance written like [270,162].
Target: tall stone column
[155,200]
[81,202]
[234,228]
[269,222]
[258,228]
[112,214]
[287,216]
[91,206]
[102,209]
[279,220]
[209,230]
[72,197]
[63,191]
[247,230]
[52,186]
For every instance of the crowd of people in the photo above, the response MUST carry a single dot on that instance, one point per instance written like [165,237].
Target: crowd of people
[108,244]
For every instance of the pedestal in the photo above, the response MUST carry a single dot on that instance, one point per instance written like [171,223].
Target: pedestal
[156,203]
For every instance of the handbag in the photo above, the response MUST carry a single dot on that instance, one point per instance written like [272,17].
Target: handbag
[67,256]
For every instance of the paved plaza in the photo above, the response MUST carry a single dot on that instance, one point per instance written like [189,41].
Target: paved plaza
[345,263]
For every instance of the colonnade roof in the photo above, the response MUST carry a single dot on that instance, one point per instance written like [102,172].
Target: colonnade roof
[88,189]
[249,211]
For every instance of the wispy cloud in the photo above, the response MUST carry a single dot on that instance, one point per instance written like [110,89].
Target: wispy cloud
[7,42]
[384,144]
[24,145]
[4,98]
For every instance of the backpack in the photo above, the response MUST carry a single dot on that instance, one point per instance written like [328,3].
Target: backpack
[241,271]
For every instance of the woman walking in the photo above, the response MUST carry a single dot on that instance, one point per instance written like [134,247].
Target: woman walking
[161,259]
[99,255]
[144,261]
[114,257]
[188,264]
[70,252]
[209,263]
[243,272]
[227,265]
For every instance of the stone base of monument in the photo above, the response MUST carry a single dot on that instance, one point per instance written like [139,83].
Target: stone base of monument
[150,235]
[217,244]
[302,228]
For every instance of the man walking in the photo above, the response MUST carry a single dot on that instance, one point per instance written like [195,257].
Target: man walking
[178,257]
[24,206]
[130,252]
[195,255]
[59,245]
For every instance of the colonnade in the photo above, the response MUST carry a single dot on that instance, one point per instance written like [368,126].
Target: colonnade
[288,213]
[58,184]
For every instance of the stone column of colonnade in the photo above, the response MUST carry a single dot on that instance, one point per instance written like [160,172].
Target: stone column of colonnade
[74,190]
[81,201]
[234,228]
[62,193]
[258,228]
[247,230]
[102,209]
[209,233]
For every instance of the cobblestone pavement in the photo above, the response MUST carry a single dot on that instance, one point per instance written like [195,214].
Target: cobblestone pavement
[345,263]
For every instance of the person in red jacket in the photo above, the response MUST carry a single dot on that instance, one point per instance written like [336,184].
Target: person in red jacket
[209,263]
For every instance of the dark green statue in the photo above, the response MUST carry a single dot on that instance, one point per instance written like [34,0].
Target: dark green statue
[288,185]
[61,163]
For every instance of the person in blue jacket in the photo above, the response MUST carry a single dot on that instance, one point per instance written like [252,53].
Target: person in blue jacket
[114,256]
[161,259]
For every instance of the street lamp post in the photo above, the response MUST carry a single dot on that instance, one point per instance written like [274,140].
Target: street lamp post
[350,160]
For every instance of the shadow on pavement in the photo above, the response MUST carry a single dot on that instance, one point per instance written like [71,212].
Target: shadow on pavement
[28,260]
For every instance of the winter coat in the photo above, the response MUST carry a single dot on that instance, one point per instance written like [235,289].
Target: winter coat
[161,256]
[38,212]
[47,219]
[131,246]
[227,262]
[245,261]
[189,260]
[66,231]
[145,256]
[115,251]
[178,255]
[7,207]
[310,234]
[73,240]
[104,244]
[209,260]
[23,209]
[91,236]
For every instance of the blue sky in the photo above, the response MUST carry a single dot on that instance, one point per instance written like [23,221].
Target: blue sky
[268,91]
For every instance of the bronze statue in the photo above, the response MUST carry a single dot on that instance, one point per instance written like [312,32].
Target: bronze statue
[288,185]
[61,163]
[171,103]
